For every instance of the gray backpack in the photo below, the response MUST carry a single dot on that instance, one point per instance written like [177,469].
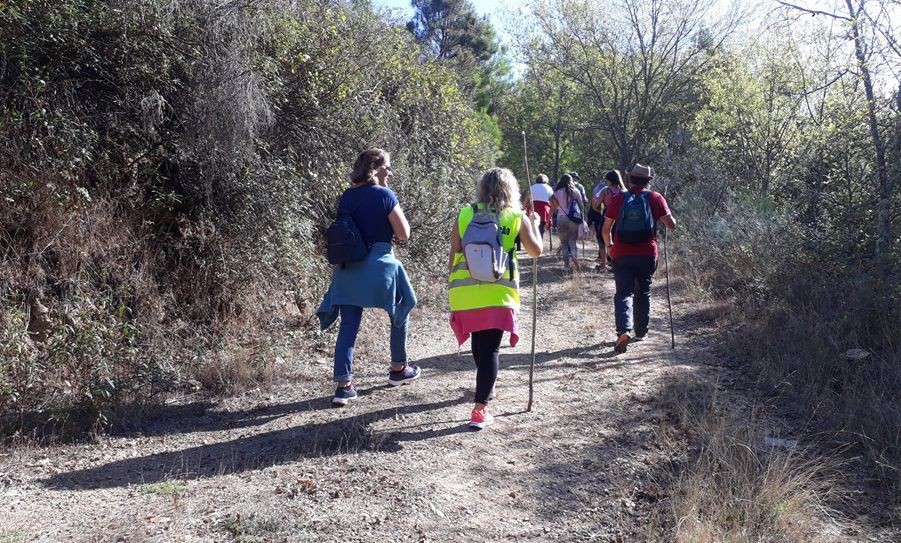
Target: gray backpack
[482,246]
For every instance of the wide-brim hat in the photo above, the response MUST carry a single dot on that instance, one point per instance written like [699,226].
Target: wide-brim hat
[639,171]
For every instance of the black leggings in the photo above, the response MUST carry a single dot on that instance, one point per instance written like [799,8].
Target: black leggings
[486,345]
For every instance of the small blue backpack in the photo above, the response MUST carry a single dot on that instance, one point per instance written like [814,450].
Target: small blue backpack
[635,223]
[344,242]
[575,211]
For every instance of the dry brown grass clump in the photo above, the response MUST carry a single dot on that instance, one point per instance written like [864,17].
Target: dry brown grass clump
[735,485]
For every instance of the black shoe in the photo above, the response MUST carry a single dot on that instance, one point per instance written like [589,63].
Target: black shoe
[640,335]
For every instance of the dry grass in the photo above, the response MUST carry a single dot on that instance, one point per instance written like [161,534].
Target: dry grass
[731,487]
[796,310]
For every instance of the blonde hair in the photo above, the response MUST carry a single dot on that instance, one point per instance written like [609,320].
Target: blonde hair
[498,189]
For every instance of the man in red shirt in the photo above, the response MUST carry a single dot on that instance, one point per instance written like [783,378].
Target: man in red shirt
[633,250]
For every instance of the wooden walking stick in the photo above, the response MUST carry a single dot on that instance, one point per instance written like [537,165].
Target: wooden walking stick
[669,301]
[525,156]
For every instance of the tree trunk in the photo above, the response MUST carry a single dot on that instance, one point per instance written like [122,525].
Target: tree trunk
[558,130]
[884,206]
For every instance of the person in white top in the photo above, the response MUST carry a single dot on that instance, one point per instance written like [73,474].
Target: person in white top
[541,189]
[541,194]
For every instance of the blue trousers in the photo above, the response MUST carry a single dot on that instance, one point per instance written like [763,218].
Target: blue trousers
[351,315]
[633,276]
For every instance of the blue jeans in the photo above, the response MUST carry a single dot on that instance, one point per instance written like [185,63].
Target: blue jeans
[633,275]
[351,315]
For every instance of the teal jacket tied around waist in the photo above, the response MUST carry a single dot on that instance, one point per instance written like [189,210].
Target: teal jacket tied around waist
[379,280]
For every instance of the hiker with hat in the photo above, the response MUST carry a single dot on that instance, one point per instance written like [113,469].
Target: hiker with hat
[377,280]
[601,196]
[633,249]
[578,184]
[484,277]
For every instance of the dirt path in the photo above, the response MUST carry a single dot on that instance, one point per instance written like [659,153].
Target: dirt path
[399,463]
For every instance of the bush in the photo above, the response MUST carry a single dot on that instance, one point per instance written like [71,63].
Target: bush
[166,170]
[801,304]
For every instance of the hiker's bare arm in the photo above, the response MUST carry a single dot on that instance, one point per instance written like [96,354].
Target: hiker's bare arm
[530,237]
[669,222]
[605,231]
[554,205]
[456,247]
[399,223]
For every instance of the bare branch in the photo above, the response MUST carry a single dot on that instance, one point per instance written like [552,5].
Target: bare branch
[814,11]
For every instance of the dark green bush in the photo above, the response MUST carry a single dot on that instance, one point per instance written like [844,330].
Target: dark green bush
[167,169]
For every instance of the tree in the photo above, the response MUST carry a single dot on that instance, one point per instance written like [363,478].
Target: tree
[452,30]
[751,112]
[873,36]
[636,63]
[453,33]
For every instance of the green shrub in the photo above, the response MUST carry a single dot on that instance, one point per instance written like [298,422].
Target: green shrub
[167,169]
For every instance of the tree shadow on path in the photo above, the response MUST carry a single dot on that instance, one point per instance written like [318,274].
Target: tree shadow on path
[344,436]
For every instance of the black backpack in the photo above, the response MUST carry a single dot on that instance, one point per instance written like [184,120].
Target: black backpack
[344,242]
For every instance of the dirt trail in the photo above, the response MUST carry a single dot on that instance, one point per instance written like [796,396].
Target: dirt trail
[398,464]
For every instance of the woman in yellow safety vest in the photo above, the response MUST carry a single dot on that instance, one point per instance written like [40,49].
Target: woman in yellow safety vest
[485,309]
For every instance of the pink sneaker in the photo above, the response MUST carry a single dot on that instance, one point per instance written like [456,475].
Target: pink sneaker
[480,419]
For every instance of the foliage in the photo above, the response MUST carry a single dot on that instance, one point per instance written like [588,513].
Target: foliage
[165,488]
[768,143]
[636,67]
[452,33]
[167,167]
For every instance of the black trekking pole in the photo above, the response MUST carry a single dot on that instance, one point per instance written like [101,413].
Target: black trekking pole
[669,301]
[525,156]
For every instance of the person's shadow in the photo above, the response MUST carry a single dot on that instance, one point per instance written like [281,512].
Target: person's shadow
[352,434]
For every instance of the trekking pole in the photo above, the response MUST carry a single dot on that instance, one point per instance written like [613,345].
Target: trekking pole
[525,156]
[669,301]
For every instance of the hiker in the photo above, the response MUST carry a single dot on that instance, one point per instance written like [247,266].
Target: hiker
[567,206]
[379,280]
[526,204]
[541,195]
[595,220]
[633,250]
[579,186]
[484,277]
[601,197]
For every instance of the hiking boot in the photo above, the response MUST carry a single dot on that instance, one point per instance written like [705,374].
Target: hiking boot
[621,343]
[344,394]
[640,335]
[403,376]
[480,418]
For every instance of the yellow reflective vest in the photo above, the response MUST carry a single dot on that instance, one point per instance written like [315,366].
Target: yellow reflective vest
[468,293]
